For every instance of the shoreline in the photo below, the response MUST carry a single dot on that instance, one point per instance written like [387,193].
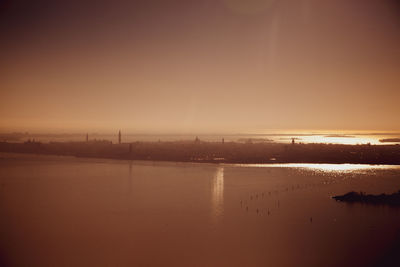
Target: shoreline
[213,152]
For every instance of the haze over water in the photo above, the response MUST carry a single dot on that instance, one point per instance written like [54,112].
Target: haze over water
[89,212]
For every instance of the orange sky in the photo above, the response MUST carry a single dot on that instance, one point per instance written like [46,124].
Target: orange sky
[199,66]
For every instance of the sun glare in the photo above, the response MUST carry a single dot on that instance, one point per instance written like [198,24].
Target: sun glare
[346,140]
[322,167]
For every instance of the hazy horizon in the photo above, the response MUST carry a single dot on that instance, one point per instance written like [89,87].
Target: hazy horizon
[200,66]
[267,132]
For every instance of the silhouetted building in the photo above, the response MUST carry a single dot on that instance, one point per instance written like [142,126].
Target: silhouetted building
[119,137]
[292,141]
[223,140]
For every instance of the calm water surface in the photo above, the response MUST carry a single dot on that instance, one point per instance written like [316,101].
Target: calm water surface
[62,211]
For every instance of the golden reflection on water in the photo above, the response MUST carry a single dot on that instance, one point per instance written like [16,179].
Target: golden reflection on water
[345,140]
[324,167]
[218,193]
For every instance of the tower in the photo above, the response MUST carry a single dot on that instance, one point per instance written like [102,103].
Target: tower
[119,137]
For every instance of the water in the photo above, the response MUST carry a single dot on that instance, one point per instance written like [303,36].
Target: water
[64,211]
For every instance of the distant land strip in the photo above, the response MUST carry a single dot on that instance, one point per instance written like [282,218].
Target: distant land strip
[215,152]
[390,140]
[382,199]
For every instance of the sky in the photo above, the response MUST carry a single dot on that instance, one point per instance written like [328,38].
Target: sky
[211,66]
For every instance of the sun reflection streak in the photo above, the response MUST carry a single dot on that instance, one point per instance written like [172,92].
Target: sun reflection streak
[218,193]
[323,167]
[345,140]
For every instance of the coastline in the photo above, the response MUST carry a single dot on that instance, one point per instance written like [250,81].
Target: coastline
[215,152]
